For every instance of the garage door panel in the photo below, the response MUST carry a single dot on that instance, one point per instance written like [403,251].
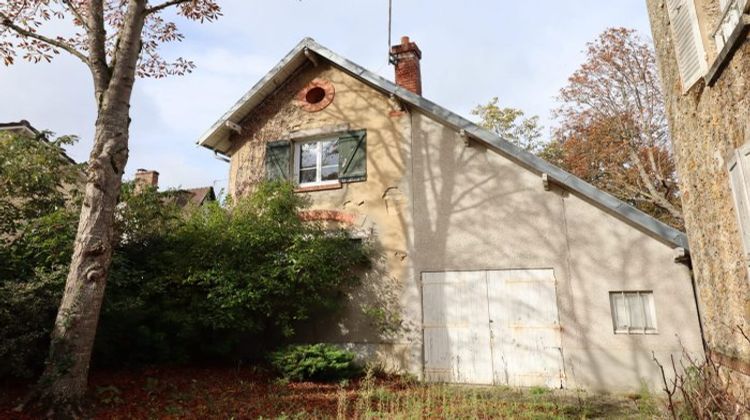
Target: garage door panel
[528,362]
[524,327]
[438,355]
[497,326]
[455,328]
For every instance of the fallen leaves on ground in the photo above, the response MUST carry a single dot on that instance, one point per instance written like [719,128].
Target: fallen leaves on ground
[249,392]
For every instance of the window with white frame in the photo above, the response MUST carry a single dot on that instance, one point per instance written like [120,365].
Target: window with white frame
[633,312]
[319,161]
[316,162]
[739,179]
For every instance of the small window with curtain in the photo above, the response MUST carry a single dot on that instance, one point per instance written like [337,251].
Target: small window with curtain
[633,312]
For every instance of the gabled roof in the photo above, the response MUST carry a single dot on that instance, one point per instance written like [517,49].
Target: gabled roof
[22,125]
[202,195]
[26,128]
[217,137]
[190,196]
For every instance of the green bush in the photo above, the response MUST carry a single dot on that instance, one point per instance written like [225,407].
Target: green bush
[39,202]
[315,362]
[185,284]
[200,285]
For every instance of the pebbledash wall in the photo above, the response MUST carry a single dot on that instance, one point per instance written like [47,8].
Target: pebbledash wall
[480,210]
[432,203]
[708,123]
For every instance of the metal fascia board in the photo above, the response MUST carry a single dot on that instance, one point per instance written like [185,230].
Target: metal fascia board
[559,176]
[213,136]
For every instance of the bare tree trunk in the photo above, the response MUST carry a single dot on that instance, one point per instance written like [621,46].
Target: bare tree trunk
[64,381]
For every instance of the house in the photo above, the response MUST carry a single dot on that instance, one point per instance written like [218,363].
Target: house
[703,52]
[181,197]
[25,128]
[494,266]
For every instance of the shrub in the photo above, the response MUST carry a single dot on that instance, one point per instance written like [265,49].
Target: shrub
[702,388]
[38,210]
[220,276]
[184,284]
[315,362]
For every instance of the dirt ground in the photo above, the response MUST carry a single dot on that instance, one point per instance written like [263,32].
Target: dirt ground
[249,392]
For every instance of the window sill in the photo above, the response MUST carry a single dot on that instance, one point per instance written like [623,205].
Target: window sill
[322,187]
[636,332]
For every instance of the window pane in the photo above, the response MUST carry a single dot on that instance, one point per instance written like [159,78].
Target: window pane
[329,173]
[635,308]
[648,303]
[619,311]
[330,153]
[308,155]
[307,175]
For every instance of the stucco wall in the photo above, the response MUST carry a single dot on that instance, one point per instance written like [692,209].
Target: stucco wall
[475,209]
[380,318]
[432,204]
[706,125]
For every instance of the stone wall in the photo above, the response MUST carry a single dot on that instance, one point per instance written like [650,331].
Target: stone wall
[381,319]
[707,124]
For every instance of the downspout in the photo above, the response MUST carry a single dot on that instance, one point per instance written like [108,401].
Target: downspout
[683,257]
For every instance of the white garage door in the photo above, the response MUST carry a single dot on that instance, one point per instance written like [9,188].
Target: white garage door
[487,327]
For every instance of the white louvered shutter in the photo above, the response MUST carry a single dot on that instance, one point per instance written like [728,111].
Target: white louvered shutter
[739,176]
[688,44]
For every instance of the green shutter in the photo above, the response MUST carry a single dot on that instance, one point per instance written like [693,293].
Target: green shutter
[278,164]
[353,156]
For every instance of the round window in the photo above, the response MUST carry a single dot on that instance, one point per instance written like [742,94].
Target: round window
[317,95]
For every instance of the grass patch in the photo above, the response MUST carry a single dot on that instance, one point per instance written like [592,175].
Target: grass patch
[224,392]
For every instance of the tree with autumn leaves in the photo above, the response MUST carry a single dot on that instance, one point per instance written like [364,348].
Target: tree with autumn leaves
[117,40]
[612,128]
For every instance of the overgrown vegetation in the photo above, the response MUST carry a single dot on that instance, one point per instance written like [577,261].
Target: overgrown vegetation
[38,202]
[250,393]
[702,388]
[314,362]
[185,284]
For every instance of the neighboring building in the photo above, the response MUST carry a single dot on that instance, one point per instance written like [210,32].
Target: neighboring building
[704,58]
[494,266]
[21,127]
[25,128]
[181,197]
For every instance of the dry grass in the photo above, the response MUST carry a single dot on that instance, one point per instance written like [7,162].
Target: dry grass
[221,392]
[373,400]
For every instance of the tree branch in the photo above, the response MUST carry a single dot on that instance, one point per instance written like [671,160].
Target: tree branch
[4,21]
[97,35]
[76,13]
[162,6]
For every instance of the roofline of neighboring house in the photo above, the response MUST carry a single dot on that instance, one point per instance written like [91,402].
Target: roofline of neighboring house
[23,124]
[31,131]
[217,137]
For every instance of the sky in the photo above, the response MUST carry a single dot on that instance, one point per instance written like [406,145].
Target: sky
[472,50]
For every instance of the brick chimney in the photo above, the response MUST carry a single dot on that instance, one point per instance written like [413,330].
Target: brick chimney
[405,57]
[144,178]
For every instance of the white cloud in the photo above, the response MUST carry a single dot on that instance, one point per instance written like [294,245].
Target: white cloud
[522,52]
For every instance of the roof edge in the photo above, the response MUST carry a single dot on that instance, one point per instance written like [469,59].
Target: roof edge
[532,162]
